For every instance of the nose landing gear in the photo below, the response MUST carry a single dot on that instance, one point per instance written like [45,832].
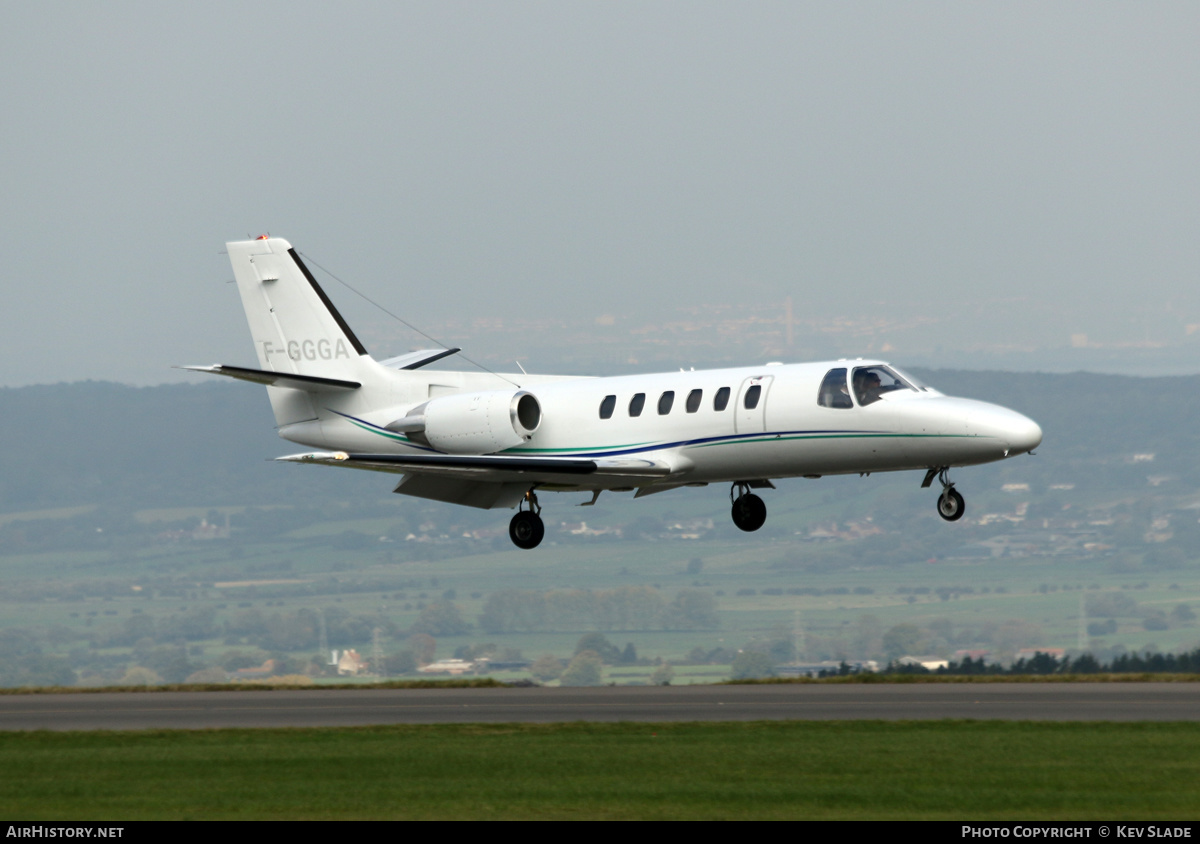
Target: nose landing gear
[526,529]
[950,504]
[749,512]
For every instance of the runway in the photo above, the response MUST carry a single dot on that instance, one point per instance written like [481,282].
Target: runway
[346,708]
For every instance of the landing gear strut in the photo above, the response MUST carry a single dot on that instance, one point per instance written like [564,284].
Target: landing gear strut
[950,504]
[526,528]
[749,512]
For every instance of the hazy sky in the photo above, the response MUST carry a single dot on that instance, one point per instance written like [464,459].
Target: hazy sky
[1017,171]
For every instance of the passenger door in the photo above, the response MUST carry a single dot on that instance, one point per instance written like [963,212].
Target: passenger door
[749,413]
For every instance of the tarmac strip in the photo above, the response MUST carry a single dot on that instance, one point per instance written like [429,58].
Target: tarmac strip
[351,707]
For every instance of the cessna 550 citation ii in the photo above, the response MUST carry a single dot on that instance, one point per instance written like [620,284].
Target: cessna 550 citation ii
[496,440]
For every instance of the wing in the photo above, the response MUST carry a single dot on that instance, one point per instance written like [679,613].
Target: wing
[494,480]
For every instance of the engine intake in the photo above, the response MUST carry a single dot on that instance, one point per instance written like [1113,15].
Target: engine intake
[473,423]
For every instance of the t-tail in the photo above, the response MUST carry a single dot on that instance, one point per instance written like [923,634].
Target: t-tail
[307,354]
[296,329]
[326,390]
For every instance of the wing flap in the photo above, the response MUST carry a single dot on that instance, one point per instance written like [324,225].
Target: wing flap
[485,496]
[495,468]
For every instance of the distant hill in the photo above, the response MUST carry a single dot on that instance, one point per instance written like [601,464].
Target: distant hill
[171,445]
[212,443]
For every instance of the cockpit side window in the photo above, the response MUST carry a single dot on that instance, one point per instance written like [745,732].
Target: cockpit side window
[871,382]
[833,392]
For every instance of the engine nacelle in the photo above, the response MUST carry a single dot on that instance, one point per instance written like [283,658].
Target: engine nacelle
[473,423]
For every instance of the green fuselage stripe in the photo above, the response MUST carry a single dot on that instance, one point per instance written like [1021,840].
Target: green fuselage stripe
[388,434]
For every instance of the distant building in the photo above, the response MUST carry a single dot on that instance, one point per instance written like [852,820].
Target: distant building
[449,666]
[350,663]
[206,531]
[931,663]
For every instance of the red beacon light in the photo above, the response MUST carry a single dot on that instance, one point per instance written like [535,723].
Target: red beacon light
[262,237]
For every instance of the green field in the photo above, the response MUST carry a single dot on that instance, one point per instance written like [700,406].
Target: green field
[764,770]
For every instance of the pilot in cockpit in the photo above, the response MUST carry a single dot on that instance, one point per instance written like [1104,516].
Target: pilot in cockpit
[867,386]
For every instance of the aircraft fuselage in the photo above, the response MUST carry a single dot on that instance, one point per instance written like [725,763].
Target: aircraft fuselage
[786,434]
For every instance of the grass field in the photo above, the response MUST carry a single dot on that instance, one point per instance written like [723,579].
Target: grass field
[799,770]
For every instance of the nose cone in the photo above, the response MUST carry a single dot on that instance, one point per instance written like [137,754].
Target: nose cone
[1022,434]
[1017,434]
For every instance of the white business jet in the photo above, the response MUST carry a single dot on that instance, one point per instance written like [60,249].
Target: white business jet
[495,440]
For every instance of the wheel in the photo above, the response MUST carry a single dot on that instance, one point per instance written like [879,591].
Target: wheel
[526,529]
[950,505]
[749,512]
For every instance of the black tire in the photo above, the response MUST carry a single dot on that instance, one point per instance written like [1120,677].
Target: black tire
[749,512]
[526,530]
[950,505]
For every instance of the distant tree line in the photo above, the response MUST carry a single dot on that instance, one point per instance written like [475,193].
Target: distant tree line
[1043,663]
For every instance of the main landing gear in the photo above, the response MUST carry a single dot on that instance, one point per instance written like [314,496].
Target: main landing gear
[526,528]
[950,504]
[749,511]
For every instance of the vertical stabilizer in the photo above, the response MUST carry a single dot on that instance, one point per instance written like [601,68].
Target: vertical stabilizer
[296,329]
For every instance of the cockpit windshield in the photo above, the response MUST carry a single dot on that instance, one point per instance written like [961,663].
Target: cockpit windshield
[872,382]
[915,383]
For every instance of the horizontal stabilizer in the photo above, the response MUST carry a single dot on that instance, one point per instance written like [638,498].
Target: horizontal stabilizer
[309,383]
[415,360]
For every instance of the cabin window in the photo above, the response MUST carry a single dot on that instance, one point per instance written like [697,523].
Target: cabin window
[607,407]
[665,401]
[636,404]
[833,391]
[693,400]
[752,396]
[871,382]
[721,399]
